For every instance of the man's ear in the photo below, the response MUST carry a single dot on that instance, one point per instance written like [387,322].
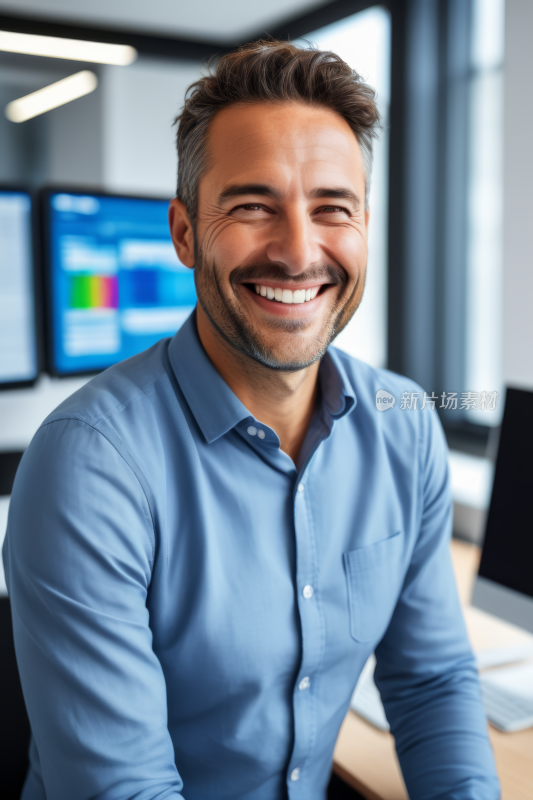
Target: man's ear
[181,232]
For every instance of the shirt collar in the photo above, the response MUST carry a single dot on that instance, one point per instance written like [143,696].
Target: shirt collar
[216,408]
[338,395]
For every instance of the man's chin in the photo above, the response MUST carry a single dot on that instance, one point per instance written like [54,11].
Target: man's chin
[286,356]
[284,364]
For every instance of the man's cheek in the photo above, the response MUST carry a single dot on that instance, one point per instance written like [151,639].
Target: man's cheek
[230,242]
[215,237]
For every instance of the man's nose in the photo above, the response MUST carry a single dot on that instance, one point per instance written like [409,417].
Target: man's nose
[294,243]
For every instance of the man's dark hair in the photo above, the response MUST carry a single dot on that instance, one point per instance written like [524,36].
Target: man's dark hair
[274,72]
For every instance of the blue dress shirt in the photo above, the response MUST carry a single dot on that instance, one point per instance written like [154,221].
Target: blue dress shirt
[192,610]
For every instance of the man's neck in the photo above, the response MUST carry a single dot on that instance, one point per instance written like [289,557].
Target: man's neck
[284,401]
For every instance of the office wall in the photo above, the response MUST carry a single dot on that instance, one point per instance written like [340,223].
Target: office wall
[119,137]
[75,145]
[139,106]
[518,197]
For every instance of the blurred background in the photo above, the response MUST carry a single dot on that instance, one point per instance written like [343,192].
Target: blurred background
[449,282]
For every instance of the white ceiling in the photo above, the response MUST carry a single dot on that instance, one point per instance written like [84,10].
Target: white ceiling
[215,20]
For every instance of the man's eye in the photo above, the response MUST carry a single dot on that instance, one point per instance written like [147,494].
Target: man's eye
[332,210]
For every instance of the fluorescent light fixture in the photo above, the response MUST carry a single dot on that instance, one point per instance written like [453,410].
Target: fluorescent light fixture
[52,96]
[73,49]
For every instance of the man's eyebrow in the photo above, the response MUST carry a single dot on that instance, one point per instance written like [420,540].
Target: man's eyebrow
[337,193]
[263,189]
[240,189]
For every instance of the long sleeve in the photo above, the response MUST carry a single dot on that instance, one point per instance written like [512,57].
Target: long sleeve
[425,671]
[78,557]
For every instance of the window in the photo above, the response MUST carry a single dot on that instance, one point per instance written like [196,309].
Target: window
[485,193]
[445,273]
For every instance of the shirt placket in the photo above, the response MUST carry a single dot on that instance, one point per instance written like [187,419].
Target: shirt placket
[313,639]
[309,598]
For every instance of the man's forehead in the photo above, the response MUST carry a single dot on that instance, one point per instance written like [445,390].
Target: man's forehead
[248,137]
[267,142]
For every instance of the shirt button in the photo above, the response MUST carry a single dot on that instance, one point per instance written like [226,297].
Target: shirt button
[295,774]
[304,684]
[251,430]
[261,434]
[300,487]
[308,591]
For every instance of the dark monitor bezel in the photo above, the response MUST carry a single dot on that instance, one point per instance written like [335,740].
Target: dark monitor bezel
[37,288]
[514,396]
[491,592]
[44,205]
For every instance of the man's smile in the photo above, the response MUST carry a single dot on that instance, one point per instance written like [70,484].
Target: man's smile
[283,295]
[288,300]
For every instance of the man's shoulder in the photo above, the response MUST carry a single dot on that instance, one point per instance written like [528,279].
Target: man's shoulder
[129,383]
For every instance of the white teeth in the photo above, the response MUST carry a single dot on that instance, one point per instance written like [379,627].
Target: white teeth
[287,296]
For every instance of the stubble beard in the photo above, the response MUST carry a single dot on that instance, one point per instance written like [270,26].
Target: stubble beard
[232,324]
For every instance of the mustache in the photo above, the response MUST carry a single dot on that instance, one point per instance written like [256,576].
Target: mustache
[253,273]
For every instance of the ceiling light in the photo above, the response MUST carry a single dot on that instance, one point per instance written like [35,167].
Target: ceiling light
[52,96]
[74,49]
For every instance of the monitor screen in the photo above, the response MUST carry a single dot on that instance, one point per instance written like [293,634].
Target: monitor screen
[507,556]
[18,349]
[115,284]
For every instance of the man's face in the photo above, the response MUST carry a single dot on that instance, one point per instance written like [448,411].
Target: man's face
[281,236]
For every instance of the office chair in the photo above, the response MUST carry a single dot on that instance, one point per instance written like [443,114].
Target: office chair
[14,724]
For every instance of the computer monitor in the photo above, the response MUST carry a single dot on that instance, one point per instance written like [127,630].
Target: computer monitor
[114,283]
[504,585]
[18,344]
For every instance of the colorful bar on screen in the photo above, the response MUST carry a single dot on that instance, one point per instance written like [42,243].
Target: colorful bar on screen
[94,291]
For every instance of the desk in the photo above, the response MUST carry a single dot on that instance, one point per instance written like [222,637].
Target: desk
[365,757]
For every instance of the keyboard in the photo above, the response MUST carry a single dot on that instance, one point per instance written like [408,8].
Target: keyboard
[506,710]
[507,697]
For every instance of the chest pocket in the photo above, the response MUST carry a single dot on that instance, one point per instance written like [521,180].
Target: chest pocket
[373,575]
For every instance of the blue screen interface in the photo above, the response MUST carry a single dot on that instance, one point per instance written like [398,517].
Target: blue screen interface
[117,286]
[18,349]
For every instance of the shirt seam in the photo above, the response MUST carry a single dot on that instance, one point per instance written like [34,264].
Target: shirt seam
[58,415]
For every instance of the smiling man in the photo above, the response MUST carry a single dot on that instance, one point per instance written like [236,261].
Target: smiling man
[278,235]
[207,542]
